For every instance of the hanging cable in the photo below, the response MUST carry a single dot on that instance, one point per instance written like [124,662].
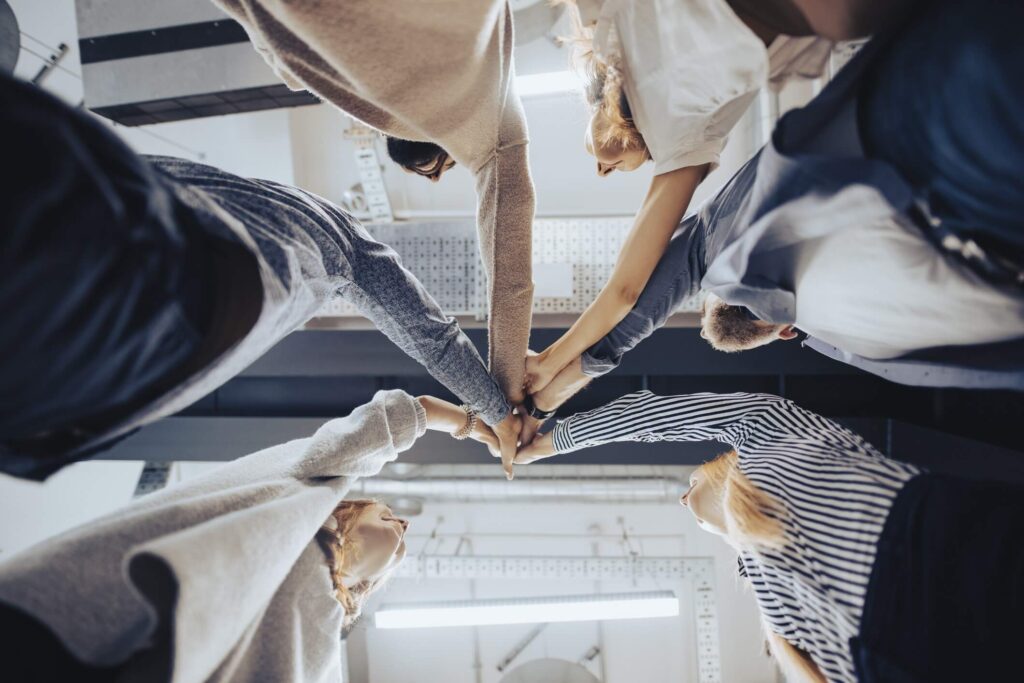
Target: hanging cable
[50,61]
[166,140]
[49,47]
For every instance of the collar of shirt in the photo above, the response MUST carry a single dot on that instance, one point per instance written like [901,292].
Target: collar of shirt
[799,195]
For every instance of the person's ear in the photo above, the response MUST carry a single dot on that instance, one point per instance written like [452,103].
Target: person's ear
[787,332]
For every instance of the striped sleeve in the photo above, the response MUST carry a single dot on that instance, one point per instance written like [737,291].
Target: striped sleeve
[644,416]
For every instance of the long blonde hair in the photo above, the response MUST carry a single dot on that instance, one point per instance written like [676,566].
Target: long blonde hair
[337,544]
[602,84]
[753,521]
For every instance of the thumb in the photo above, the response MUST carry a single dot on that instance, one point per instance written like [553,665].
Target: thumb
[508,457]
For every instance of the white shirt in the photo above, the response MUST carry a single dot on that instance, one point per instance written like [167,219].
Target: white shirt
[880,290]
[690,70]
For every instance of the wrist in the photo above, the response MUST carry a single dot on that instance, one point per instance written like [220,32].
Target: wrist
[535,411]
[441,415]
[468,425]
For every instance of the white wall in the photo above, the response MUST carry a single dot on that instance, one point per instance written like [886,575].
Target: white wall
[254,144]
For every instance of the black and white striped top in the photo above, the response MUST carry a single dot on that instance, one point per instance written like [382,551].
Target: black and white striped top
[836,487]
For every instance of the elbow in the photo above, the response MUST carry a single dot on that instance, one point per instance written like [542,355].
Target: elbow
[626,296]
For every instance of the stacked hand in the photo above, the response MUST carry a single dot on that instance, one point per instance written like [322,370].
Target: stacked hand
[515,438]
[501,440]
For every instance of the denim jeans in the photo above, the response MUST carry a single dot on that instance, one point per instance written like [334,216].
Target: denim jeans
[104,272]
[944,104]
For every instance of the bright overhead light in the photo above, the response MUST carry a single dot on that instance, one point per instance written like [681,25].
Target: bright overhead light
[547,83]
[529,610]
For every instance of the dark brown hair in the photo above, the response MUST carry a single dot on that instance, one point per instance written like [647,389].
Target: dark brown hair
[415,156]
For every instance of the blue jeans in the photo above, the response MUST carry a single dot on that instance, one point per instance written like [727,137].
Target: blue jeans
[944,104]
[106,279]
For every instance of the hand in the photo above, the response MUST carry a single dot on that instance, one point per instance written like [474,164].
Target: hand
[507,433]
[542,447]
[539,372]
[485,435]
[442,416]
[531,426]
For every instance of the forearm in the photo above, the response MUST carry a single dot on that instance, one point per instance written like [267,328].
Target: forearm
[505,224]
[396,302]
[644,416]
[356,446]
[658,218]
[600,318]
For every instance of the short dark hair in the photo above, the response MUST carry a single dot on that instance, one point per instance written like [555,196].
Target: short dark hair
[414,155]
[733,328]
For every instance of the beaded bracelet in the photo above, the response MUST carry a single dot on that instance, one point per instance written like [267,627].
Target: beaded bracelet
[465,430]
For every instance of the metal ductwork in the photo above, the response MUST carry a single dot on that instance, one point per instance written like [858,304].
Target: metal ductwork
[150,61]
[527,489]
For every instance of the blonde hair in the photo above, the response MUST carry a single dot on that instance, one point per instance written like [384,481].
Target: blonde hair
[338,545]
[796,665]
[602,85]
[752,517]
[730,329]
[753,521]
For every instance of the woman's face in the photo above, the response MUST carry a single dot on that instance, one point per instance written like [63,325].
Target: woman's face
[610,155]
[379,539]
[704,503]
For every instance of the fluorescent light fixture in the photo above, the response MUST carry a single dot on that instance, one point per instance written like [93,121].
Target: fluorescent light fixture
[529,610]
[547,83]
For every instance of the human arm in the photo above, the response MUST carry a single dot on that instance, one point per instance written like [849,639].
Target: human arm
[505,225]
[664,206]
[443,416]
[647,417]
[395,301]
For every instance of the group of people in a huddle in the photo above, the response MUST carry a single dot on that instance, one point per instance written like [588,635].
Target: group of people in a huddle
[883,220]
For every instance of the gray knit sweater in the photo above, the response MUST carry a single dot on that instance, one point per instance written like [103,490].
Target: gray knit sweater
[219,578]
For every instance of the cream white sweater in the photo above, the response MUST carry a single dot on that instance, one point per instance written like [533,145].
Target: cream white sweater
[219,578]
[438,72]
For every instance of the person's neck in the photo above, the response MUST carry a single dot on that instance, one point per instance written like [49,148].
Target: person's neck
[769,19]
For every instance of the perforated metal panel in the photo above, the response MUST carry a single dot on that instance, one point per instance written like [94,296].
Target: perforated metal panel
[445,257]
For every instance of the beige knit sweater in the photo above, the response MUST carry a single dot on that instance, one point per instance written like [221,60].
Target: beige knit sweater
[439,72]
[218,579]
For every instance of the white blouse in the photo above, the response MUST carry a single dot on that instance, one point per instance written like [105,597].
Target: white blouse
[690,70]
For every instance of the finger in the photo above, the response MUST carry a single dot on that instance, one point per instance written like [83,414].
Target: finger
[529,432]
[508,455]
[527,456]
